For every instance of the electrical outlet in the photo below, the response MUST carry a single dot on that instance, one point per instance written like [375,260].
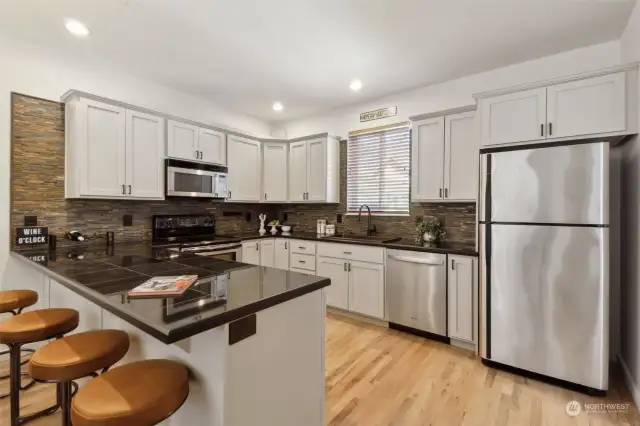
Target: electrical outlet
[127,220]
[247,217]
[419,219]
[338,218]
[31,221]
[285,217]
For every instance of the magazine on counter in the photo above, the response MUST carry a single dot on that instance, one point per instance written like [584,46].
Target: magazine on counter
[164,286]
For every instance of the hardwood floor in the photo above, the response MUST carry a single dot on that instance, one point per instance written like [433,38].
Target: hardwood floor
[377,376]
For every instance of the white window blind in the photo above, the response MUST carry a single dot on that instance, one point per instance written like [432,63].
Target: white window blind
[378,171]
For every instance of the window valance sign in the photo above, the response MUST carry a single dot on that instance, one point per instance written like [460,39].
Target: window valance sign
[31,235]
[378,114]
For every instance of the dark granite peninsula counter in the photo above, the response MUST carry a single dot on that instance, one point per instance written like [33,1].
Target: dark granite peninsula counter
[252,337]
[226,291]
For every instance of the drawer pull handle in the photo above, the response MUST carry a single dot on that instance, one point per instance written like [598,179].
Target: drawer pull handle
[302,248]
[302,261]
[346,252]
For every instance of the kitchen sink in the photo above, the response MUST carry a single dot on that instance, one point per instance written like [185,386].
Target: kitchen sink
[362,238]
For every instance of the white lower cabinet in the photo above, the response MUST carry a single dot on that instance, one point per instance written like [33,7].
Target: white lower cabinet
[267,253]
[366,288]
[357,277]
[337,293]
[281,255]
[251,252]
[461,297]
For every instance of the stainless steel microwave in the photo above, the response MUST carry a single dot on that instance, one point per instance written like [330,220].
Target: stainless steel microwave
[189,179]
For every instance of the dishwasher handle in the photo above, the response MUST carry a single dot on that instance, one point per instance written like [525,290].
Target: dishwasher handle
[414,260]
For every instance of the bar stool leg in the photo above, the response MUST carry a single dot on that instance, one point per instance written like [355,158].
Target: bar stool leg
[65,402]
[8,376]
[15,374]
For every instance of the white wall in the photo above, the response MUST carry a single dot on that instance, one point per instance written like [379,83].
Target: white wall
[33,71]
[630,196]
[456,93]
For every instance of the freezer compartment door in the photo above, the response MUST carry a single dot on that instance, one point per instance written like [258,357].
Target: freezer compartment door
[417,290]
[549,294]
[564,184]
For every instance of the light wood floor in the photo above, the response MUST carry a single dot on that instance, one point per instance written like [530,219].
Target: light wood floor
[377,376]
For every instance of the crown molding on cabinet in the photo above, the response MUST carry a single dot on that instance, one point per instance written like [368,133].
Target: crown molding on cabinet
[559,80]
[459,110]
[72,93]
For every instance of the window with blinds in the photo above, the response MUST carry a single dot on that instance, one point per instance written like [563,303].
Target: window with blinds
[378,171]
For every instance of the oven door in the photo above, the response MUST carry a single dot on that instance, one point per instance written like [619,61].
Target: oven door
[183,182]
[233,255]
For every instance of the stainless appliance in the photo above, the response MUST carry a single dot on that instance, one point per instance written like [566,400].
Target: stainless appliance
[194,234]
[416,285]
[544,270]
[189,179]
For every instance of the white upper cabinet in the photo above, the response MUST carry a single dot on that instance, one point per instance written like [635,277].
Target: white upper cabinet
[112,152]
[244,161]
[274,172]
[314,170]
[298,171]
[598,104]
[212,146]
[145,155]
[461,156]
[317,170]
[428,159]
[514,117]
[583,107]
[182,140]
[101,149]
[445,156]
[188,142]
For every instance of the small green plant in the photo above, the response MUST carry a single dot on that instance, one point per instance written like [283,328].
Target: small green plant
[432,227]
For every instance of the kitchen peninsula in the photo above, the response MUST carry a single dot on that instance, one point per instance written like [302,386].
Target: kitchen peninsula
[252,337]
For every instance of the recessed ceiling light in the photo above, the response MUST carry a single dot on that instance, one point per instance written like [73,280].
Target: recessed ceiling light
[277,106]
[356,85]
[76,28]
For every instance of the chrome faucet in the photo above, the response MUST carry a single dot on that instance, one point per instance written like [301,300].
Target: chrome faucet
[370,228]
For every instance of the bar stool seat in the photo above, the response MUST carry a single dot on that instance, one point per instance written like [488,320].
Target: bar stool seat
[78,355]
[13,300]
[39,325]
[138,394]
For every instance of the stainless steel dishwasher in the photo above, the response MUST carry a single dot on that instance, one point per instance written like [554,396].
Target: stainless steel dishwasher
[417,292]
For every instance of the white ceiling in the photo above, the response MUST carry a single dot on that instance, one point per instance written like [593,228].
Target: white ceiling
[246,54]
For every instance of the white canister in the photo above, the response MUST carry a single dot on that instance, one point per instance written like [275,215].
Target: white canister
[318,227]
[331,229]
[323,227]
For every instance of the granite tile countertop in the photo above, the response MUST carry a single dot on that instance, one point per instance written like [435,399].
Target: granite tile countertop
[225,291]
[402,244]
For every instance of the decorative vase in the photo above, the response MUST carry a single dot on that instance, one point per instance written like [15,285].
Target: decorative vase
[429,238]
[263,218]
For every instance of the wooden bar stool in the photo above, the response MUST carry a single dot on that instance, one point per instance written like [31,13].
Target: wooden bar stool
[13,302]
[74,357]
[142,393]
[31,327]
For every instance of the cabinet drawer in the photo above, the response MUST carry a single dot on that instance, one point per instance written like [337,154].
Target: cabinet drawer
[302,271]
[350,252]
[303,261]
[303,247]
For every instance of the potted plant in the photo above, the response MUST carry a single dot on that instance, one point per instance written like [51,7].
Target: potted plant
[430,231]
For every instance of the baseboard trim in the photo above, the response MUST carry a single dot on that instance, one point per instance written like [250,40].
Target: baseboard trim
[358,317]
[631,383]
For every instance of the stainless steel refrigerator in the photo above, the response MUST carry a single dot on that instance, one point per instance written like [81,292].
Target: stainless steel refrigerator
[544,272]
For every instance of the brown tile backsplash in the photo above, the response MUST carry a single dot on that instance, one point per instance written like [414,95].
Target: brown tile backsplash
[37,188]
